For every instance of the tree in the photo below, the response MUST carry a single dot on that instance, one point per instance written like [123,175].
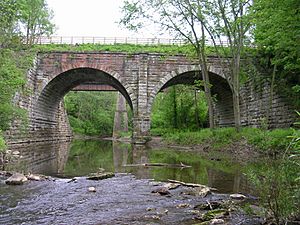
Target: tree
[35,18]
[9,16]
[277,31]
[175,16]
[229,22]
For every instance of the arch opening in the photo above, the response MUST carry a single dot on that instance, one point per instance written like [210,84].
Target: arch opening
[49,113]
[221,92]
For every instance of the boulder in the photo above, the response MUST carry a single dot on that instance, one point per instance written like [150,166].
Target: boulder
[16,179]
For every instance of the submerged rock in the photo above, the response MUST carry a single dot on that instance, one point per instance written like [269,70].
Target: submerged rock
[100,176]
[16,179]
[92,189]
[198,191]
[161,191]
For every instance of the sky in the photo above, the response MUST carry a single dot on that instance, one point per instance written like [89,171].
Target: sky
[95,18]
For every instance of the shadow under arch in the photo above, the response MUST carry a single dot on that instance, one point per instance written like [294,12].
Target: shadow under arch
[46,108]
[220,89]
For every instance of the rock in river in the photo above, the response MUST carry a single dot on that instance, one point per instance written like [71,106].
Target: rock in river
[34,177]
[238,196]
[161,191]
[16,179]
[92,189]
[100,176]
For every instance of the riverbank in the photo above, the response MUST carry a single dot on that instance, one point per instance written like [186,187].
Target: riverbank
[247,145]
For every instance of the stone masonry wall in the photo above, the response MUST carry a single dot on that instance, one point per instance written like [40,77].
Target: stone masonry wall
[139,77]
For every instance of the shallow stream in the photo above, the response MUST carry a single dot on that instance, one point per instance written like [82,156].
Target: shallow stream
[124,199]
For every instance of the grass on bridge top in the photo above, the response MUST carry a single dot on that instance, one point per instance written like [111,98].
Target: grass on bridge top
[127,48]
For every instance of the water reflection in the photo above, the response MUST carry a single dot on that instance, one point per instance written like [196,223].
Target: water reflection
[82,157]
[44,158]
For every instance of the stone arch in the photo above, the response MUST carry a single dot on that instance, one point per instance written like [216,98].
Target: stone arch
[223,107]
[46,110]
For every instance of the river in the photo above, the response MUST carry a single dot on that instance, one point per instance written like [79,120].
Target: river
[124,199]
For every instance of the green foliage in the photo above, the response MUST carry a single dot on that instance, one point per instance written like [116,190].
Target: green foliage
[91,113]
[2,142]
[12,70]
[278,30]
[271,141]
[9,10]
[293,152]
[35,19]
[31,18]
[267,141]
[181,107]
[275,183]
[185,49]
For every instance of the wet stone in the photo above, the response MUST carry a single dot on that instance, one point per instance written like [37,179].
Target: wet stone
[161,191]
[171,186]
[238,196]
[16,179]
[92,189]
[34,177]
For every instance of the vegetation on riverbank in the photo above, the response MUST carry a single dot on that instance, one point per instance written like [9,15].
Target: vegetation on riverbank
[275,141]
[277,179]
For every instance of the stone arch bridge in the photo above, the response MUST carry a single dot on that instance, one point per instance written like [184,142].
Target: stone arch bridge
[139,77]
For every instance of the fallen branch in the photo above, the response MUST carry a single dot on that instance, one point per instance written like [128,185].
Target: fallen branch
[181,165]
[186,184]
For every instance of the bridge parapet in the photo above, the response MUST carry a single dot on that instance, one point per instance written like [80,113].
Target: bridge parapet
[73,40]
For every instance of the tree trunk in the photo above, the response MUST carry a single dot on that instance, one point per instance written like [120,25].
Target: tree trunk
[175,125]
[207,92]
[236,110]
[236,93]
[205,77]
[196,108]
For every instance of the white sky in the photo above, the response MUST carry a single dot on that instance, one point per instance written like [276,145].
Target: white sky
[95,18]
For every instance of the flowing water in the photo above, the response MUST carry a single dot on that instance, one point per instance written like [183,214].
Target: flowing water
[124,199]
